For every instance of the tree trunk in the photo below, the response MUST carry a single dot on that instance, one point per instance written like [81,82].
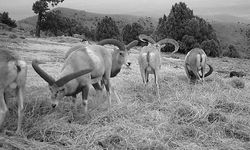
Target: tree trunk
[39,18]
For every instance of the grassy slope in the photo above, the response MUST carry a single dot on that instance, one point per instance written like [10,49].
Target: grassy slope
[235,34]
[210,116]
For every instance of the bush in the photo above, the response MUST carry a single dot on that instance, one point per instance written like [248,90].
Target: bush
[107,28]
[211,48]
[182,25]
[130,32]
[4,18]
[189,42]
[248,33]
[232,52]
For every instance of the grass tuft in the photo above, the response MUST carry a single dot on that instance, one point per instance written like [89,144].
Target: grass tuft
[237,83]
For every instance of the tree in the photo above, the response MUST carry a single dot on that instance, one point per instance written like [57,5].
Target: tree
[4,18]
[130,32]
[55,23]
[50,22]
[40,7]
[182,25]
[161,28]
[107,28]
[177,19]
[211,47]
[248,33]
[232,52]
[189,42]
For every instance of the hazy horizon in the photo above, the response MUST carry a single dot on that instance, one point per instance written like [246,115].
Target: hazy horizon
[239,8]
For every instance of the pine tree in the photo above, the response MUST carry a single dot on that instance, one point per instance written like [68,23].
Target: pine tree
[107,28]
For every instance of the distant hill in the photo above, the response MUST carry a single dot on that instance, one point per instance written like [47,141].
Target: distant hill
[225,18]
[233,33]
[229,29]
[90,19]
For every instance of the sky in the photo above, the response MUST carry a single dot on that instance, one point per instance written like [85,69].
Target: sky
[20,9]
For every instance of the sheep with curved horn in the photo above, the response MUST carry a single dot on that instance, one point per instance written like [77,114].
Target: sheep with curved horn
[195,62]
[116,64]
[127,47]
[12,76]
[86,65]
[150,58]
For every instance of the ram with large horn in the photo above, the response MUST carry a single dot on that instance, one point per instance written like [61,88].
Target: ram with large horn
[150,58]
[86,65]
[195,65]
[12,78]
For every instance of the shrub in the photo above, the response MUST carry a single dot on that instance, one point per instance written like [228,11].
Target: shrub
[211,47]
[232,52]
[4,18]
[107,28]
[189,42]
[130,32]
[248,33]
[182,25]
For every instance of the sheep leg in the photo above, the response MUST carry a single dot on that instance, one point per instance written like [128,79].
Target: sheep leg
[20,95]
[85,92]
[3,108]
[156,75]
[143,75]
[107,86]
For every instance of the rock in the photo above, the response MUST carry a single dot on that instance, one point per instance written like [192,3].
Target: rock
[237,74]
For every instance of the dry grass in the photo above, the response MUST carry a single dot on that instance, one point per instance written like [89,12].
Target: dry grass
[213,115]
[237,83]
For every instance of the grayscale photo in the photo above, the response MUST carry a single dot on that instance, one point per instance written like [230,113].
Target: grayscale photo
[124,75]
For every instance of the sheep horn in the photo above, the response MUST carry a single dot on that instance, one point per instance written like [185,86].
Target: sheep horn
[171,41]
[131,44]
[115,42]
[149,39]
[71,76]
[210,71]
[42,73]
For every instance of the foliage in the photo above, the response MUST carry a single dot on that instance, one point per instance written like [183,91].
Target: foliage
[232,52]
[40,7]
[107,28]
[188,42]
[248,33]
[182,25]
[211,47]
[130,32]
[57,24]
[89,34]
[53,22]
[4,18]
[173,25]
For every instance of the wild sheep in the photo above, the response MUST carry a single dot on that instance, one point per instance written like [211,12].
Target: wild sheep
[150,58]
[83,66]
[12,77]
[195,63]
